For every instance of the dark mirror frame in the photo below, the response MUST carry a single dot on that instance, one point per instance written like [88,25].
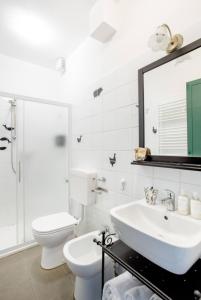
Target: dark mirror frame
[178,162]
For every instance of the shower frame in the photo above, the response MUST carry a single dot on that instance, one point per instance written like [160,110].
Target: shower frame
[20,213]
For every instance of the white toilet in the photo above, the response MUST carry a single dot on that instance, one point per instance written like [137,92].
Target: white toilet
[84,257]
[53,231]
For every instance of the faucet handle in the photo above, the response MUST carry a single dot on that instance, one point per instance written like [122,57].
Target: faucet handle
[170,200]
[151,195]
[170,194]
[102,179]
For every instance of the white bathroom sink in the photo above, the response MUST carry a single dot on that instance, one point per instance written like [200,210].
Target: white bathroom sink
[169,240]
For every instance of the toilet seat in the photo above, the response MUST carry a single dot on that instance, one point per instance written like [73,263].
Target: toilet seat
[53,223]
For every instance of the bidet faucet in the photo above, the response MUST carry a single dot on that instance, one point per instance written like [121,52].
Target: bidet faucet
[169,201]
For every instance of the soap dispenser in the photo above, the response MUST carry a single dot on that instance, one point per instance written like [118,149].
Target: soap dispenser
[196,206]
[183,204]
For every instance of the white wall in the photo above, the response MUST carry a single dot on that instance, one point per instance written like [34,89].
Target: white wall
[109,124]
[137,21]
[22,78]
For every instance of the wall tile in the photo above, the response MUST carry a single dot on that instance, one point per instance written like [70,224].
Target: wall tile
[162,185]
[109,125]
[118,139]
[142,171]
[96,123]
[167,174]
[127,73]
[123,161]
[139,183]
[191,177]
[190,188]
[87,159]
[124,117]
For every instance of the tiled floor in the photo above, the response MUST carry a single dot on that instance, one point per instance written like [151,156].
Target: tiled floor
[21,278]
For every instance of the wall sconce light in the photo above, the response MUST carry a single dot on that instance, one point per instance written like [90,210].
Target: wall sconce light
[61,65]
[164,40]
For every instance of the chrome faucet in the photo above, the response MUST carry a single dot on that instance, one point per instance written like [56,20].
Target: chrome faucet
[169,202]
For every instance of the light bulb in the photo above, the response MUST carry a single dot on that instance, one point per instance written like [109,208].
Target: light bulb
[30,27]
[61,65]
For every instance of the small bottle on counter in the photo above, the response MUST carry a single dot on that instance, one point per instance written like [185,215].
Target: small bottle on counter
[196,206]
[183,204]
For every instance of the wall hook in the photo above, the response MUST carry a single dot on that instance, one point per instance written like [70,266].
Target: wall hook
[154,130]
[79,139]
[8,128]
[97,92]
[5,139]
[113,160]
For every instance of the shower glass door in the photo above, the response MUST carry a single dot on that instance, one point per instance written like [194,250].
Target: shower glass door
[33,166]
[44,161]
[8,187]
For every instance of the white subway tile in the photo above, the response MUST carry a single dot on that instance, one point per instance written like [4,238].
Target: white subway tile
[162,185]
[96,123]
[86,159]
[134,138]
[120,97]
[190,188]
[118,139]
[191,177]
[142,171]
[127,74]
[120,118]
[167,174]
[96,141]
[139,183]
[123,161]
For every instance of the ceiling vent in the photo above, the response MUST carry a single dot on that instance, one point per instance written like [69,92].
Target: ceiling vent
[103,20]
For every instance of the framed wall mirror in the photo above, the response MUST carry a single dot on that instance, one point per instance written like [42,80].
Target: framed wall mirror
[170,109]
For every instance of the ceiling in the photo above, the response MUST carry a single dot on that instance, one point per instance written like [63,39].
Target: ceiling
[40,31]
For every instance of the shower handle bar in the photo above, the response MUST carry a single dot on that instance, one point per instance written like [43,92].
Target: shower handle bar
[19,171]
[13,132]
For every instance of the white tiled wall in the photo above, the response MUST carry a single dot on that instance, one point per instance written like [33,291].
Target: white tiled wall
[109,124]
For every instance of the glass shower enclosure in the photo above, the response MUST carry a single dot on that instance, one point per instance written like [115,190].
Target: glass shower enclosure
[34,163]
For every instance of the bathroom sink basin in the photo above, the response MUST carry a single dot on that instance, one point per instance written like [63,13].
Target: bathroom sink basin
[166,238]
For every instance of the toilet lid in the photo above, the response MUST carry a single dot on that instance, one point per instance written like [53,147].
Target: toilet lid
[53,222]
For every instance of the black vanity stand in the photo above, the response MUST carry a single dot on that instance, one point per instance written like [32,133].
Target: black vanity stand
[166,285]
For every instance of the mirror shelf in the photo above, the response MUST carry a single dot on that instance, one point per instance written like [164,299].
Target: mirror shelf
[170,165]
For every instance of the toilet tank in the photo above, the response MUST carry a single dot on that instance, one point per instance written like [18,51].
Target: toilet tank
[83,182]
